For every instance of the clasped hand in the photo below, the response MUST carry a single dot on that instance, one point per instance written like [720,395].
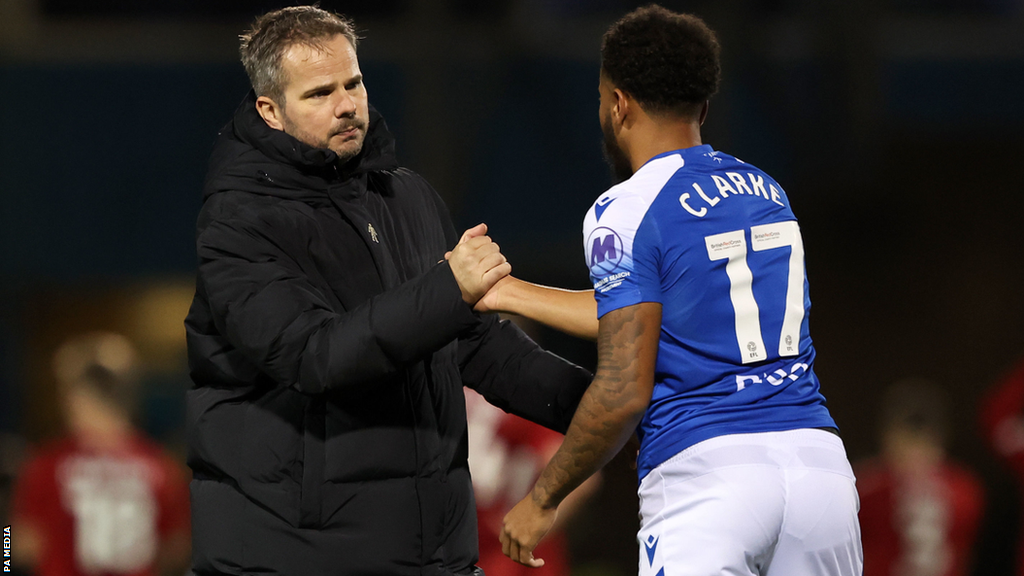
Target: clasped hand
[477,264]
[523,528]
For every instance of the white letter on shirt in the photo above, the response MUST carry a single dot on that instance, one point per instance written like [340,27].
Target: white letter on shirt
[740,183]
[741,381]
[758,183]
[710,201]
[722,185]
[698,213]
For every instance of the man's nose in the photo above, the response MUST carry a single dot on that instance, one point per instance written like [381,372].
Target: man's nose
[346,106]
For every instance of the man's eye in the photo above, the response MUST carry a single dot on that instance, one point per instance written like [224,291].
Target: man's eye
[353,85]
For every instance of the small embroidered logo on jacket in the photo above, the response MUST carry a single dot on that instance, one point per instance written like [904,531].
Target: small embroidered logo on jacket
[373,233]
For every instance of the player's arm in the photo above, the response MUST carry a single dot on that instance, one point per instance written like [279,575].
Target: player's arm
[578,498]
[608,414]
[571,311]
[1002,417]
[33,496]
[29,545]
[174,553]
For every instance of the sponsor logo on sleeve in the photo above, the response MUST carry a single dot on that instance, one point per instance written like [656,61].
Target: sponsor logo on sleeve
[607,283]
[604,251]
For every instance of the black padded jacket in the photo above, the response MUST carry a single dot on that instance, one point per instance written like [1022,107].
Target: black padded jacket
[328,346]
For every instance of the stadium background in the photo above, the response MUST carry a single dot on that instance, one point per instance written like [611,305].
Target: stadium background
[895,126]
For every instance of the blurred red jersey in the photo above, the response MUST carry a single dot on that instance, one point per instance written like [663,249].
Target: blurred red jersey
[101,514]
[920,526]
[1002,419]
[506,455]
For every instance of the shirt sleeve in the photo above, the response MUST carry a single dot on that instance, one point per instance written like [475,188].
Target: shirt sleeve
[1002,418]
[513,373]
[265,305]
[34,492]
[623,250]
[173,499]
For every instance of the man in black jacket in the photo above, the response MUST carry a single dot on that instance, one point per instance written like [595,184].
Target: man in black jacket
[330,336]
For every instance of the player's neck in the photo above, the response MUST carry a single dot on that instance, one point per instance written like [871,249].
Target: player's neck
[101,431]
[659,137]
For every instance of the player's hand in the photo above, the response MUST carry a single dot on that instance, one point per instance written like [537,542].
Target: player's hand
[491,301]
[523,528]
[477,264]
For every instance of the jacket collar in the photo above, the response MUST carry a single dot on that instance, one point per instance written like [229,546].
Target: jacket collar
[253,157]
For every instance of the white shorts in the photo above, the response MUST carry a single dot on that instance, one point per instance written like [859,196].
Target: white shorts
[770,504]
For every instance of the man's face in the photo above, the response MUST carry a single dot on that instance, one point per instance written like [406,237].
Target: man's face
[614,155]
[325,99]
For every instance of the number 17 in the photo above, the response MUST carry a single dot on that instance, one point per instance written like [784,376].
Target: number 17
[733,247]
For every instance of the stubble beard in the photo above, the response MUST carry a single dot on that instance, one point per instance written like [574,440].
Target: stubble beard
[344,154]
[614,155]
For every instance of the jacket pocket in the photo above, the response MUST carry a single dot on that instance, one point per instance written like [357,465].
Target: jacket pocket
[312,464]
[370,436]
[269,450]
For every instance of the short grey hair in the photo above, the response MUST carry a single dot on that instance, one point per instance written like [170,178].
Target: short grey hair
[264,44]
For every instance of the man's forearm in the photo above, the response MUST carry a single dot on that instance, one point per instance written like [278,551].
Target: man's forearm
[607,415]
[571,311]
[601,427]
[611,408]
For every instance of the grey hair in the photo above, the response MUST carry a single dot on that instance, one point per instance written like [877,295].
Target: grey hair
[264,44]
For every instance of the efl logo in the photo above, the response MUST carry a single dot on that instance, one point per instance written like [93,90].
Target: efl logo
[604,251]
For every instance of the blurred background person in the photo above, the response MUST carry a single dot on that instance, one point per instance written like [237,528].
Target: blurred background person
[103,499]
[919,510]
[506,455]
[1002,422]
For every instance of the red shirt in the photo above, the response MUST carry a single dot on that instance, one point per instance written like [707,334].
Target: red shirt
[506,455]
[1002,419]
[925,526]
[101,514]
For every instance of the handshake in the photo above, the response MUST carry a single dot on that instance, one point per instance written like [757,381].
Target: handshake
[483,275]
[478,266]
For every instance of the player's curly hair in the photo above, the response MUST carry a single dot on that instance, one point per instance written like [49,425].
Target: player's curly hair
[264,44]
[668,62]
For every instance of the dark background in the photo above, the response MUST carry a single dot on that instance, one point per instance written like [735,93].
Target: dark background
[895,126]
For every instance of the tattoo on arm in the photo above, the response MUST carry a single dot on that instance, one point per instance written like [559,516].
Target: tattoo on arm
[613,405]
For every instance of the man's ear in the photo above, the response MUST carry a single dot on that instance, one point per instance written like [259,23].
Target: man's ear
[272,113]
[703,113]
[622,110]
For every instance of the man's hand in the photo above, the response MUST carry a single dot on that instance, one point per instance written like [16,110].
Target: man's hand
[491,301]
[523,528]
[477,264]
